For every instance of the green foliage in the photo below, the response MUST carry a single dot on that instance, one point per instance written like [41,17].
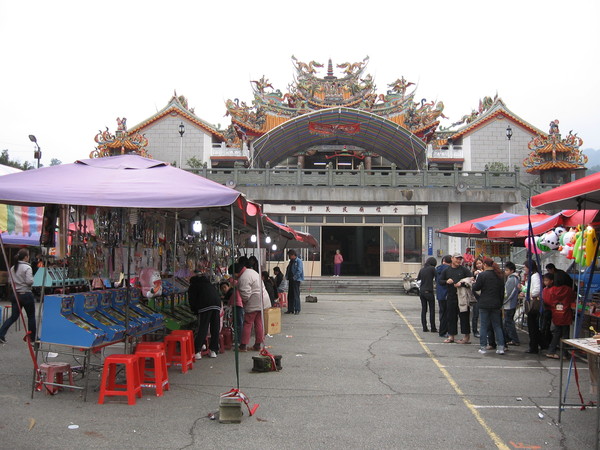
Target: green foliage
[496,166]
[55,162]
[194,163]
[5,160]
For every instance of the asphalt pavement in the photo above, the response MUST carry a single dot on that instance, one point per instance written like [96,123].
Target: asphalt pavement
[357,372]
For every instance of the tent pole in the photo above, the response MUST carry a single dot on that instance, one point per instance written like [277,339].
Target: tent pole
[175,241]
[262,311]
[235,317]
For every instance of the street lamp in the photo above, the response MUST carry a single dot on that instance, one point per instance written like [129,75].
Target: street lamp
[181,133]
[37,154]
[509,134]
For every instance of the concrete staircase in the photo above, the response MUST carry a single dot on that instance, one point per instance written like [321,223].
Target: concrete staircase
[352,285]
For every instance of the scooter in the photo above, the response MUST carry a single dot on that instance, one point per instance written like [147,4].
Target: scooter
[410,284]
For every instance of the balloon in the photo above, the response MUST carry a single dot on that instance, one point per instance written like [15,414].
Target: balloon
[568,238]
[579,249]
[530,245]
[540,244]
[550,240]
[590,245]
[560,231]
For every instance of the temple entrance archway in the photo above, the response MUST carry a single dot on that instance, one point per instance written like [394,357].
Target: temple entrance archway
[359,245]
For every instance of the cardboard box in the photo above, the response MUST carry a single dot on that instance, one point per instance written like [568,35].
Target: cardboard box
[272,320]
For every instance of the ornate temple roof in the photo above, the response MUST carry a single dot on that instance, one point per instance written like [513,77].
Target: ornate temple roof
[354,127]
[120,143]
[349,88]
[178,105]
[552,152]
[489,110]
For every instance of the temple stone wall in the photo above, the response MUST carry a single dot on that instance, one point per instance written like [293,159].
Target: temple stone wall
[489,144]
[164,141]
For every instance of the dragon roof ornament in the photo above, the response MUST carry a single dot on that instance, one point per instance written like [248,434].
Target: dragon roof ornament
[119,143]
[553,152]
[350,87]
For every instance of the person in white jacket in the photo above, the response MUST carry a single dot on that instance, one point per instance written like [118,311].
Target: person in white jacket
[530,269]
[255,299]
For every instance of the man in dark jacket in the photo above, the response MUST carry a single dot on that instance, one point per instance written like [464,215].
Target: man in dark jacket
[452,277]
[441,290]
[426,276]
[206,303]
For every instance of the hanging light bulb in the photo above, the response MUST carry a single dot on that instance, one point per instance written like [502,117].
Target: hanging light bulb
[253,238]
[268,239]
[274,247]
[133,216]
[197,226]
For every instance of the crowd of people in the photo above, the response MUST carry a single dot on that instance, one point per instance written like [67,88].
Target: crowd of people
[254,292]
[482,299]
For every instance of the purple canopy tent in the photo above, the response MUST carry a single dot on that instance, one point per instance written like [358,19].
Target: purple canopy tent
[126,181]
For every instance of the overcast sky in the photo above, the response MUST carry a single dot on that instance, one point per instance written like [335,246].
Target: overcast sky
[70,68]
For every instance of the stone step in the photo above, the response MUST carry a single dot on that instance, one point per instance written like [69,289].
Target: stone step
[354,285]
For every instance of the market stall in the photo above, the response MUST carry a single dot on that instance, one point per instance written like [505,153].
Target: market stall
[580,194]
[136,205]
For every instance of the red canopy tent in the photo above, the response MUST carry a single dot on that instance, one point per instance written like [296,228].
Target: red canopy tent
[476,227]
[570,195]
[509,229]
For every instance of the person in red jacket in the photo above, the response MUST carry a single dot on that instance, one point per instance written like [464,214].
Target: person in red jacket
[560,299]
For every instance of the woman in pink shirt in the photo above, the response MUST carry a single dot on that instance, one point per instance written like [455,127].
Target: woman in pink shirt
[338,259]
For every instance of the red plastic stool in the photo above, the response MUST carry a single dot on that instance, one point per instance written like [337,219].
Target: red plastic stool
[221,343]
[54,373]
[179,356]
[151,346]
[283,300]
[207,349]
[227,334]
[189,334]
[158,377]
[109,386]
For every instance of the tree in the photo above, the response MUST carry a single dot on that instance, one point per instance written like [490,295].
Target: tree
[5,160]
[496,166]
[55,162]
[194,163]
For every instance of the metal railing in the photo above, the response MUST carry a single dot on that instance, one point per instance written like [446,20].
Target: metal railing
[329,176]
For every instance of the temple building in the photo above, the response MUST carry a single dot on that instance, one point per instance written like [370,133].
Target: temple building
[371,173]
[556,159]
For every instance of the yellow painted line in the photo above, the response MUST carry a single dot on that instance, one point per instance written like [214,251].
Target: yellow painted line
[497,441]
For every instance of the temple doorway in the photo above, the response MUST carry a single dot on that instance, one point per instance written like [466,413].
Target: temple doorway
[360,247]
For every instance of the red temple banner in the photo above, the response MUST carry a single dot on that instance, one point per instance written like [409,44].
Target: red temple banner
[328,129]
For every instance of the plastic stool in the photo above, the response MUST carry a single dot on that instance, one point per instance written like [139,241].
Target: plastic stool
[54,373]
[207,349]
[6,313]
[151,346]
[182,356]
[283,299]
[190,335]
[227,334]
[109,387]
[158,377]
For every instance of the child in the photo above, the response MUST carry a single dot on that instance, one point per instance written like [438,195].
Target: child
[560,300]
[511,299]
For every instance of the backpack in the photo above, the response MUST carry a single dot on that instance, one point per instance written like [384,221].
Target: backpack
[562,313]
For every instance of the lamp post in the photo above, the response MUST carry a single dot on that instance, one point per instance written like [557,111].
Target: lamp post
[37,153]
[509,134]
[181,133]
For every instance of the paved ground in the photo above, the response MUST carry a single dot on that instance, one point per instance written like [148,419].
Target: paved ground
[357,373]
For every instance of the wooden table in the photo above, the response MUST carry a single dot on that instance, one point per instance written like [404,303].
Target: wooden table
[591,348]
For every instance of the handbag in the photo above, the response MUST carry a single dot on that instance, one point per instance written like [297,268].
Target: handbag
[532,305]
